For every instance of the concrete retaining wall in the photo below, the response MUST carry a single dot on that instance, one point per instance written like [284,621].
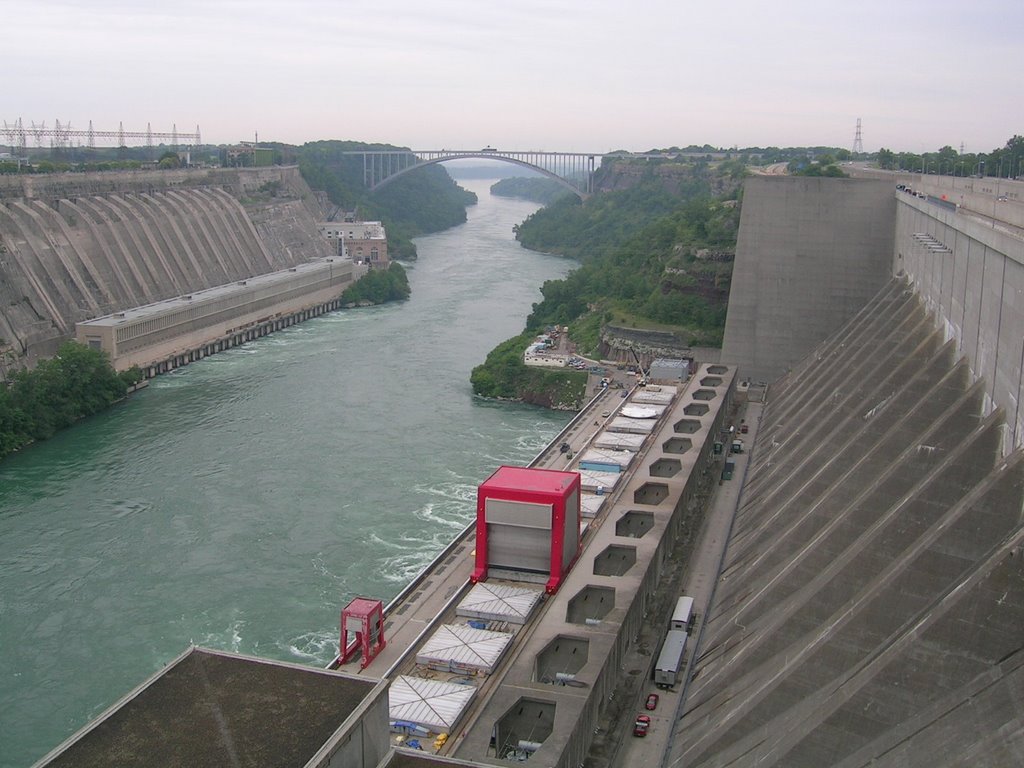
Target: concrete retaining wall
[811,252]
[971,276]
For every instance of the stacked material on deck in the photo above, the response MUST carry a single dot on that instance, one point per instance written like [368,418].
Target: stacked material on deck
[464,649]
[499,602]
[593,480]
[634,426]
[430,705]
[606,460]
[590,504]
[619,441]
[657,395]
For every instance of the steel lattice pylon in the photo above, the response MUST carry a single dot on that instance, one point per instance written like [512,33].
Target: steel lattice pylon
[16,135]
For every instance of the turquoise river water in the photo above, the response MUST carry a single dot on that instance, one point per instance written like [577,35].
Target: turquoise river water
[240,502]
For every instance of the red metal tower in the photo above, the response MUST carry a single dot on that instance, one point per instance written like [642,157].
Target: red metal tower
[364,618]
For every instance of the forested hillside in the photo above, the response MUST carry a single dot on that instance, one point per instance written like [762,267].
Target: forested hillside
[650,258]
[426,200]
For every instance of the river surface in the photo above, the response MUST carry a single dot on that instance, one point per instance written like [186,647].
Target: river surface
[240,502]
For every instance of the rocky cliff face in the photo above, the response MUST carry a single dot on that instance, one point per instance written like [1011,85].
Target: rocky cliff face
[618,344]
[78,246]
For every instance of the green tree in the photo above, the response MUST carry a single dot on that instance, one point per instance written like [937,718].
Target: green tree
[35,404]
[169,160]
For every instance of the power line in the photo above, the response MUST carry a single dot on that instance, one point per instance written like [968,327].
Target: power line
[61,134]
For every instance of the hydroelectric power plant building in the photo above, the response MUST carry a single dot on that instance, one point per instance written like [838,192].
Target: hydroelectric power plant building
[858,584]
[160,337]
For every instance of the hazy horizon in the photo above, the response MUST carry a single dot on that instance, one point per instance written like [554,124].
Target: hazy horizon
[562,76]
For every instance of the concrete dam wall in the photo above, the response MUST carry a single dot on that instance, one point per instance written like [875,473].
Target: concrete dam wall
[869,605]
[77,246]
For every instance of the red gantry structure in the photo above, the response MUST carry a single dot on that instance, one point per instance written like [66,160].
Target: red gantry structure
[527,525]
[364,618]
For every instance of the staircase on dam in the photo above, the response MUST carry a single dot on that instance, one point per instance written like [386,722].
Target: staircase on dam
[871,604]
[72,250]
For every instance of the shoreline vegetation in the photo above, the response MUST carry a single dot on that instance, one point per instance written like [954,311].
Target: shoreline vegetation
[76,383]
[378,286]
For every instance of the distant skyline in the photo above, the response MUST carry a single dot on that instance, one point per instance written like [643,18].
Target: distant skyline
[569,76]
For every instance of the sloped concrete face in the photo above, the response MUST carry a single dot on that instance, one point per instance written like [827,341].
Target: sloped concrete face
[634,524]
[675,445]
[810,253]
[687,426]
[614,560]
[591,603]
[874,579]
[650,493]
[562,657]
[666,467]
[524,727]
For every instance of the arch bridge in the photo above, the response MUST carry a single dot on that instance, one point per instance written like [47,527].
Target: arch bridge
[572,170]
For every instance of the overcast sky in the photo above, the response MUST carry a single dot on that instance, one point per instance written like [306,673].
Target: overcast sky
[572,75]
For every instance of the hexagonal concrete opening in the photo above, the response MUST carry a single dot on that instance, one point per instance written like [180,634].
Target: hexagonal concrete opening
[686,426]
[634,524]
[704,394]
[711,381]
[718,369]
[696,409]
[677,445]
[650,493]
[590,605]
[666,468]
[559,662]
[523,729]
[615,560]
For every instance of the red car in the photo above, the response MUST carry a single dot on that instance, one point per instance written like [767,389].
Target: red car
[642,724]
[652,701]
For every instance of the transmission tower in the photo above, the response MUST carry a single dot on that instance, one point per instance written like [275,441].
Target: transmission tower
[858,144]
[62,135]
